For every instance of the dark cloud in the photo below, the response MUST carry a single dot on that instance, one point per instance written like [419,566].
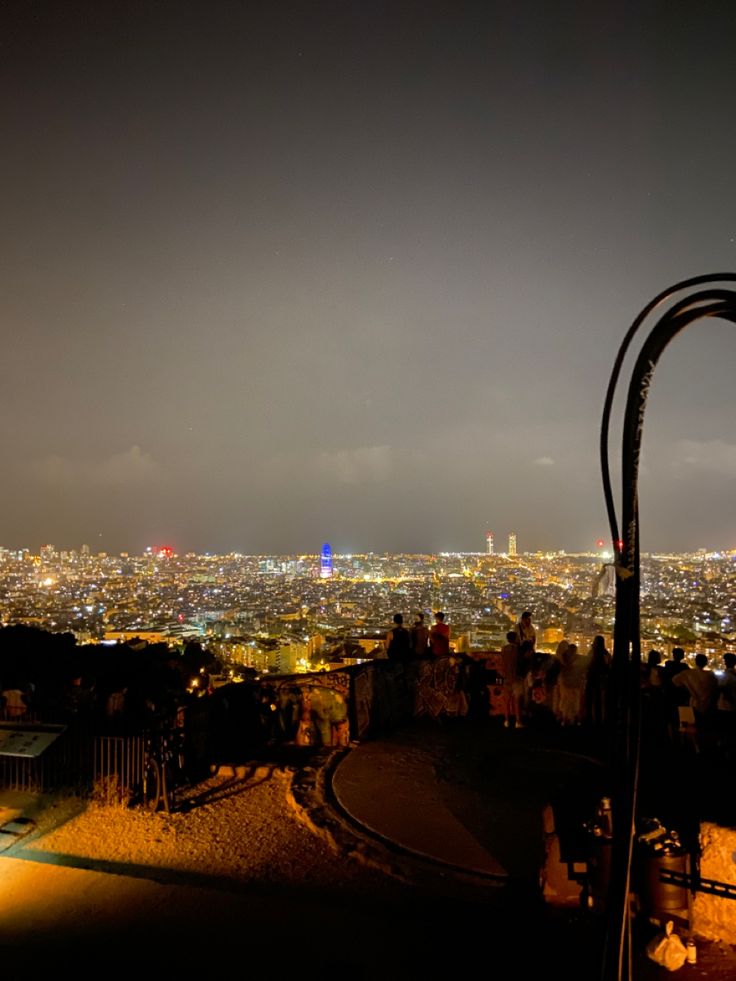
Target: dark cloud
[277,274]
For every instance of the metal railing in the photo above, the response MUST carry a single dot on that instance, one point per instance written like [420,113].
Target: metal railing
[117,766]
[682,304]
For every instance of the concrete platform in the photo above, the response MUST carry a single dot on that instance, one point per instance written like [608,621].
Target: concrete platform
[396,797]
[470,795]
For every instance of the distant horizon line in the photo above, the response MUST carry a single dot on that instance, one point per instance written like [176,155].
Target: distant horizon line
[162,551]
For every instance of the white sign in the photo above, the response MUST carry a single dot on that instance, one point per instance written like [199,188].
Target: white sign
[27,741]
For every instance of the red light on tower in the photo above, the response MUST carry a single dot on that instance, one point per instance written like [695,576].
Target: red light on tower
[600,543]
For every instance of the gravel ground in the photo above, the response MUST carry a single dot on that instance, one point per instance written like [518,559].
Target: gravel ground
[246,829]
[275,827]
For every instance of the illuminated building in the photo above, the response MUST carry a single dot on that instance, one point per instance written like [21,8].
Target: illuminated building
[48,553]
[512,543]
[489,543]
[325,564]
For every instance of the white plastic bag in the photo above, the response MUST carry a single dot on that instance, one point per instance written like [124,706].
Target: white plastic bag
[667,949]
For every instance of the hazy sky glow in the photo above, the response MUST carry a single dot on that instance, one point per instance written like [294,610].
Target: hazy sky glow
[280,273]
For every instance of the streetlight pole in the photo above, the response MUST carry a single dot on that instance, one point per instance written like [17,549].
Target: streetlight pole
[685,302]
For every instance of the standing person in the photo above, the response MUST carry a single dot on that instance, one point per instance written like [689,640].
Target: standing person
[651,670]
[14,702]
[559,660]
[702,686]
[674,666]
[727,707]
[570,685]
[521,682]
[539,700]
[525,629]
[674,696]
[419,637]
[596,682]
[398,641]
[439,636]
[509,654]
[653,705]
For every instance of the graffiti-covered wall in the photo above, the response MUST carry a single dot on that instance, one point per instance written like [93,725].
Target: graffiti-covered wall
[357,701]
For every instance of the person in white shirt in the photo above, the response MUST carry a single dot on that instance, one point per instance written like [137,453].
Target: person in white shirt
[702,685]
[525,629]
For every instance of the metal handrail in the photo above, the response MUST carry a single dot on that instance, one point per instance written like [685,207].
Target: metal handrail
[624,697]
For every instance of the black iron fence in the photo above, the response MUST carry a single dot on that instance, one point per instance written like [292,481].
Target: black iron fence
[236,724]
[77,760]
[37,757]
[117,766]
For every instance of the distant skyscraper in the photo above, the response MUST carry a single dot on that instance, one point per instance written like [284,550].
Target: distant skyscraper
[325,564]
[604,583]
[512,543]
[489,542]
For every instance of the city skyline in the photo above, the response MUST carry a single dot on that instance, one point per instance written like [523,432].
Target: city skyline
[275,275]
[245,603]
[598,549]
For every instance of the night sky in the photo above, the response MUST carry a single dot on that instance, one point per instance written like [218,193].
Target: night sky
[273,274]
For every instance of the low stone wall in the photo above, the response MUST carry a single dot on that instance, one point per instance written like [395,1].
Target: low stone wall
[714,917]
[359,701]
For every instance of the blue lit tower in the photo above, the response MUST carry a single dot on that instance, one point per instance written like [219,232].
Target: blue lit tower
[325,563]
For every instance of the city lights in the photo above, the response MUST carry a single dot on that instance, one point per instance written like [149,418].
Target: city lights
[281,614]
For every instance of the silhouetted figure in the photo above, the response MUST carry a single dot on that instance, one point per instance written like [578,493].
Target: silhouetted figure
[570,683]
[727,707]
[651,672]
[674,697]
[541,678]
[14,703]
[509,654]
[653,703]
[114,708]
[702,686]
[596,682]
[79,698]
[398,641]
[439,636]
[525,629]
[674,666]
[553,677]
[419,637]
[524,656]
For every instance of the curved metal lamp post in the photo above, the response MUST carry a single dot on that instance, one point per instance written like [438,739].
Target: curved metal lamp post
[689,300]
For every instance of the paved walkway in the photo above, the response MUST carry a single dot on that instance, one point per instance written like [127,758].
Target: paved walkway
[470,794]
[476,798]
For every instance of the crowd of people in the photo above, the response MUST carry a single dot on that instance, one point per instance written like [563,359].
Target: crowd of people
[568,686]
[692,706]
[418,641]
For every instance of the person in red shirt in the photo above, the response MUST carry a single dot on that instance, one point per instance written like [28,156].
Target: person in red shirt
[439,636]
